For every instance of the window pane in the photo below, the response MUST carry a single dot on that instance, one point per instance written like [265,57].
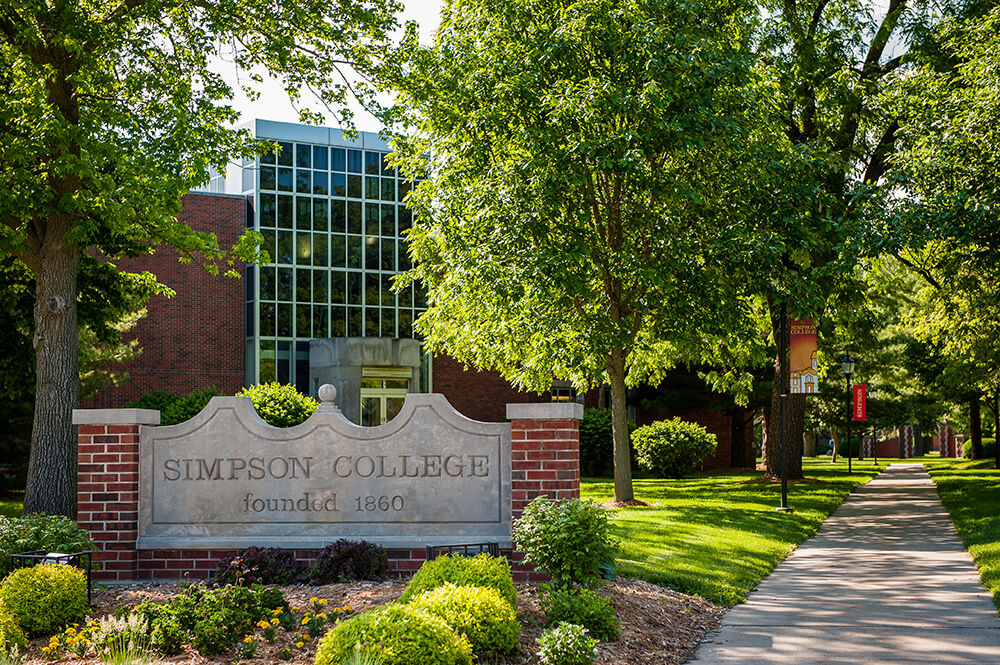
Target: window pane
[320,290]
[321,327]
[302,367]
[405,323]
[284,247]
[389,221]
[338,184]
[267,283]
[353,288]
[266,361]
[371,253]
[371,322]
[373,163]
[388,322]
[406,297]
[320,257]
[284,283]
[371,219]
[321,214]
[267,157]
[284,180]
[388,254]
[284,320]
[354,322]
[267,177]
[388,298]
[354,161]
[338,326]
[303,181]
[338,248]
[303,320]
[354,186]
[371,289]
[338,216]
[303,155]
[284,369]
[405,216]
[337,289]
[267,211]
[371,188]
[404,257]
[336,159]
[354,217]
[284,153]
[388,189]
[319,183]
[403,189]
[284,212]
[319,157]
[303,248]
[386,169]
[267,318]
[303,213]
[303,285]
[354,251]
[270,238]
[419,298]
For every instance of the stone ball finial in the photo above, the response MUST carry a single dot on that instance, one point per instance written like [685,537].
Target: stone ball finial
[327,393]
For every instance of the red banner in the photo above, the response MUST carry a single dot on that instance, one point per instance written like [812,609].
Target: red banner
[802,365]
[859,403]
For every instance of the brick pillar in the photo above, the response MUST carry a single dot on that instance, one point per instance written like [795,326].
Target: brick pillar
[108,487]
[545,451]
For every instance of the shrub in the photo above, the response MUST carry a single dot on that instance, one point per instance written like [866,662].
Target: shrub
[567,644]
[157,400]
[989,448]
[582,607]
[188,407]
[46,597]
[481,570]
[280,405]
[349,560]
[11,635]
[568,540]
[842,447]
[260,565]
[482,615]
[597,446]
[395,635]
[52,533]
[672,448]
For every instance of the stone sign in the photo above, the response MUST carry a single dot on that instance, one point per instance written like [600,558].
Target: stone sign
[227,479]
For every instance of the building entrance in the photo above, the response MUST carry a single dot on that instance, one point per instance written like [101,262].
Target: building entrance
[383,390]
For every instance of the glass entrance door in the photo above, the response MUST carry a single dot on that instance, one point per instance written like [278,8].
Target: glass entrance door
[383,390]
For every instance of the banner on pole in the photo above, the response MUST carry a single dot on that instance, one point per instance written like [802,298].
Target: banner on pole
[802,357]
[860,405]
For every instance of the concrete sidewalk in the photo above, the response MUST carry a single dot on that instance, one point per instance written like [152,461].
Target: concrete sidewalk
[885,580]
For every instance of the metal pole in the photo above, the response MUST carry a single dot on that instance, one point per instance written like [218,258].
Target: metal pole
[850,414]
[783,378]
[874,446]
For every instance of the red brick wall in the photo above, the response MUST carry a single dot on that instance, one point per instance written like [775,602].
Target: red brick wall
[195,339]
[477,395]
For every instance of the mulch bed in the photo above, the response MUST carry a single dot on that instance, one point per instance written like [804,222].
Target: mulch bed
[659,626]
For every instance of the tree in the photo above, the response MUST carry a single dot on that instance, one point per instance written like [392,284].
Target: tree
[580,211]
[111,112]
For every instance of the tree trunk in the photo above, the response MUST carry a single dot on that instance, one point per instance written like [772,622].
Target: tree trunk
[976,428]
[996,429]
[795,410]
[836,442]
[51,486]
[619,428]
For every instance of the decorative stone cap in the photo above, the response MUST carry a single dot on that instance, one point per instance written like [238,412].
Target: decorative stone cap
[116,417]
[545,411]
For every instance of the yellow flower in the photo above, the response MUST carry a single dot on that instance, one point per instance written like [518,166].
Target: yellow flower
[248,639]
[262,624]
[70,631]
[298,645]
[321,615]
[276,612]
[347,608]
[275,622]
[322,601]
[313,599]
[45,649]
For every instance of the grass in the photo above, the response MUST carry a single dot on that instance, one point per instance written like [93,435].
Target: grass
[970,492]
[11,504]
[717,535]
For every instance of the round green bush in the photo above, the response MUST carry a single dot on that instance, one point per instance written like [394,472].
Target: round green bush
[842,447]
[567,644]
[481,570]
[52,533]
[568,540]
[989,448]
[395,635]
[582,607]
[45,598]
[157,400]
[672,448]
[597,446]
[279,405]
[188,407]
[11,634]
[482,615]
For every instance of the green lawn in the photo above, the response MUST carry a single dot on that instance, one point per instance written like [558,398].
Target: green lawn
[11,504]
[970,491]
[717,535]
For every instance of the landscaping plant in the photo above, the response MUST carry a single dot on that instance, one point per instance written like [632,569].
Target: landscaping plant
[672,448]
[582,607]
[568,540]
[45,598]
[396,635]
[481,570]
[279,405]
[567,644]
[52,533]
[11,635]
[482,615]
[188,407]
[349,560]
[260,565]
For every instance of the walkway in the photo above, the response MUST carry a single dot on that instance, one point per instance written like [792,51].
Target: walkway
[885,580]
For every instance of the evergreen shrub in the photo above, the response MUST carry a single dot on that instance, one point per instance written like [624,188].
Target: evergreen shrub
[280,405]
[188,407]
[672,448]
[842,447]
[582,607]
[989,448]
[482,615]
[395,635]
[481,570]
[45,598]
[11,635]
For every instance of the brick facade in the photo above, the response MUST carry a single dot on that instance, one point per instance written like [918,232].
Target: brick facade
[197,338]
[545,451]
[477,395]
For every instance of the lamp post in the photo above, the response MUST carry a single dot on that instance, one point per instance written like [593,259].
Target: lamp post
[871,396]
[847,364]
